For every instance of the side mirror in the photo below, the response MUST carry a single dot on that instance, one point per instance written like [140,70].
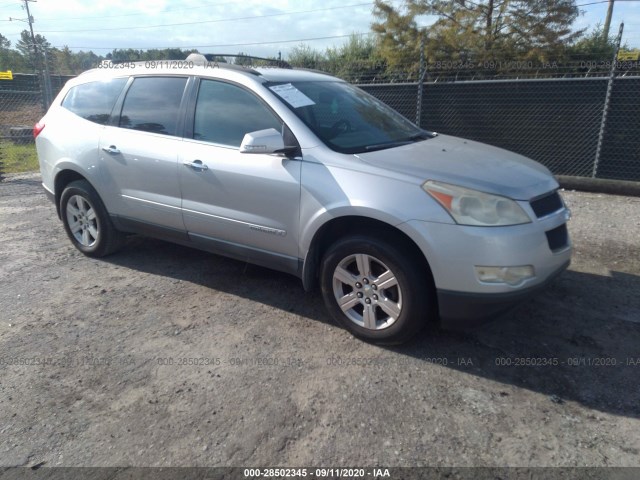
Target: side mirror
[263,141]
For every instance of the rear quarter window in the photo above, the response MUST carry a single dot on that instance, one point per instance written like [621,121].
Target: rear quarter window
[94,101]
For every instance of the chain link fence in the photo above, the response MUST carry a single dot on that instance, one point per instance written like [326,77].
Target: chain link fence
[620,155]
[20,107]
[586,126]
[557,122]
[23,101]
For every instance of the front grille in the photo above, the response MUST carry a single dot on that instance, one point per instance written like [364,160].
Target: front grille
[558,238]
[546,205]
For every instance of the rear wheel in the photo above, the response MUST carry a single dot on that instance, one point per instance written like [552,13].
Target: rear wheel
[375,290]
[87,222]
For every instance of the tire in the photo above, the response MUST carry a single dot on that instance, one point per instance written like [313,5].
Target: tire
[387,305]
[87,222]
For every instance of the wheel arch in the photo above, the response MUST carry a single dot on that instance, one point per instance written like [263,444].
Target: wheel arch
[340,227]
[61,180]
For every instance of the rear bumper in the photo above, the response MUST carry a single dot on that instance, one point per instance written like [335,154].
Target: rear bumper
[50,195]
[463,309]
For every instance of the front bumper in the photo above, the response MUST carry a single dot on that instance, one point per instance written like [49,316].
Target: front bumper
[454,251]
[462,309]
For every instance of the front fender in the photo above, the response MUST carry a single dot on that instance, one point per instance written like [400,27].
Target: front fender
[330,192]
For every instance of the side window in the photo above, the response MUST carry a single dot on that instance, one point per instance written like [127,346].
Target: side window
[225,113]
[152,104]
[94,101]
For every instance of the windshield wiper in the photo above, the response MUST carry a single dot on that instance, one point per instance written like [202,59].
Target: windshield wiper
[423,135]
[380,146]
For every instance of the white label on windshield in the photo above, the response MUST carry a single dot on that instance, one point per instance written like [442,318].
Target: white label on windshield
[292,95]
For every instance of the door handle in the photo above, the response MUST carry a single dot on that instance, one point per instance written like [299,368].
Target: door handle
[111,149]
[196,165]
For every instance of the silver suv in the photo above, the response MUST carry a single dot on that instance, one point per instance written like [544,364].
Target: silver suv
[303,173]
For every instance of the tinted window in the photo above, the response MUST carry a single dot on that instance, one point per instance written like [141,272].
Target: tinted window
[94,101]
[152,104]
[225,113]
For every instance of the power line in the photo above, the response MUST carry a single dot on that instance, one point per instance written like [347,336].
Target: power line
[603,1]
[592,3]
[249,43]
[101,17]
[222,20]
[14,3]
[232,44]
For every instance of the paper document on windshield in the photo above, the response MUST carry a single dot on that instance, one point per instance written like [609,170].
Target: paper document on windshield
[292,95]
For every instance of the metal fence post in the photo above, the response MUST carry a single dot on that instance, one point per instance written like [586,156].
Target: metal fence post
[47,82]
[421,74]
[41,89]
[1,164]
[607,101]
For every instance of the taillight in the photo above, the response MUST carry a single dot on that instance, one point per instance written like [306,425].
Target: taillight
[37,128]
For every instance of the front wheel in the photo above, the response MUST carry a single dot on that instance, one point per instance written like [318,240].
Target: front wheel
[376,291]
[87,222]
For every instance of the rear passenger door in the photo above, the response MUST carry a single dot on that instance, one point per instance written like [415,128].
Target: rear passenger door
[139,152]
[244,205]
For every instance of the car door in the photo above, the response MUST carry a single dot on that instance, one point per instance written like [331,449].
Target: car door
[139,152]
[243,205]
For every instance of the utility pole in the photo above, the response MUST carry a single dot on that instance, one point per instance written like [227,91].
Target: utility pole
[607,22]
[30,20]
[46,84]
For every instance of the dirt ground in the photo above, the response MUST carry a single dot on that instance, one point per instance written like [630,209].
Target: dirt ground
[165,356]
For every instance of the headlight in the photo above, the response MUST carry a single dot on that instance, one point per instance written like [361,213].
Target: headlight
[470,207]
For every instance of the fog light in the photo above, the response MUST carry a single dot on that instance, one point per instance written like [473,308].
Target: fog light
[509,275]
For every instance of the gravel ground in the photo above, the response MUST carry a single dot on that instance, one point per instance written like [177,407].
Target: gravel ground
[164,356]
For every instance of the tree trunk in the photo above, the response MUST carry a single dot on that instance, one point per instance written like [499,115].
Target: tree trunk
[488,43]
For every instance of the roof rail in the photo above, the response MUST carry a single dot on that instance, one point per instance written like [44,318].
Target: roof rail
[220,60]
[251,60]
[207,60]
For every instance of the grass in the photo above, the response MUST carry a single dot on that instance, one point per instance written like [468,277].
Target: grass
[18,158]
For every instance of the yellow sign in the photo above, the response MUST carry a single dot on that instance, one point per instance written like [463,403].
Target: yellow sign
[8,75]
[626,56]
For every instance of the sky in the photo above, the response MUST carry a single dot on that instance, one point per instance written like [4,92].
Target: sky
[222,26]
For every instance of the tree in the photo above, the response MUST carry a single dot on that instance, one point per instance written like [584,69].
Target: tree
[357,60]
[85,60]
[166,54]
[593,47]
[125,55]
[64,60]
[303,56]
[541,29]
[5,52]
[478,31]
[398,36]
[134,55]
[10,59]
[34,55]
[5,43]
[241,59]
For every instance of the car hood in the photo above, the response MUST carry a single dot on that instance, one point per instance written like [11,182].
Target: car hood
[469,164]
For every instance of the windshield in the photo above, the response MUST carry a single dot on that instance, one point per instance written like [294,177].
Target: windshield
[347,119]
